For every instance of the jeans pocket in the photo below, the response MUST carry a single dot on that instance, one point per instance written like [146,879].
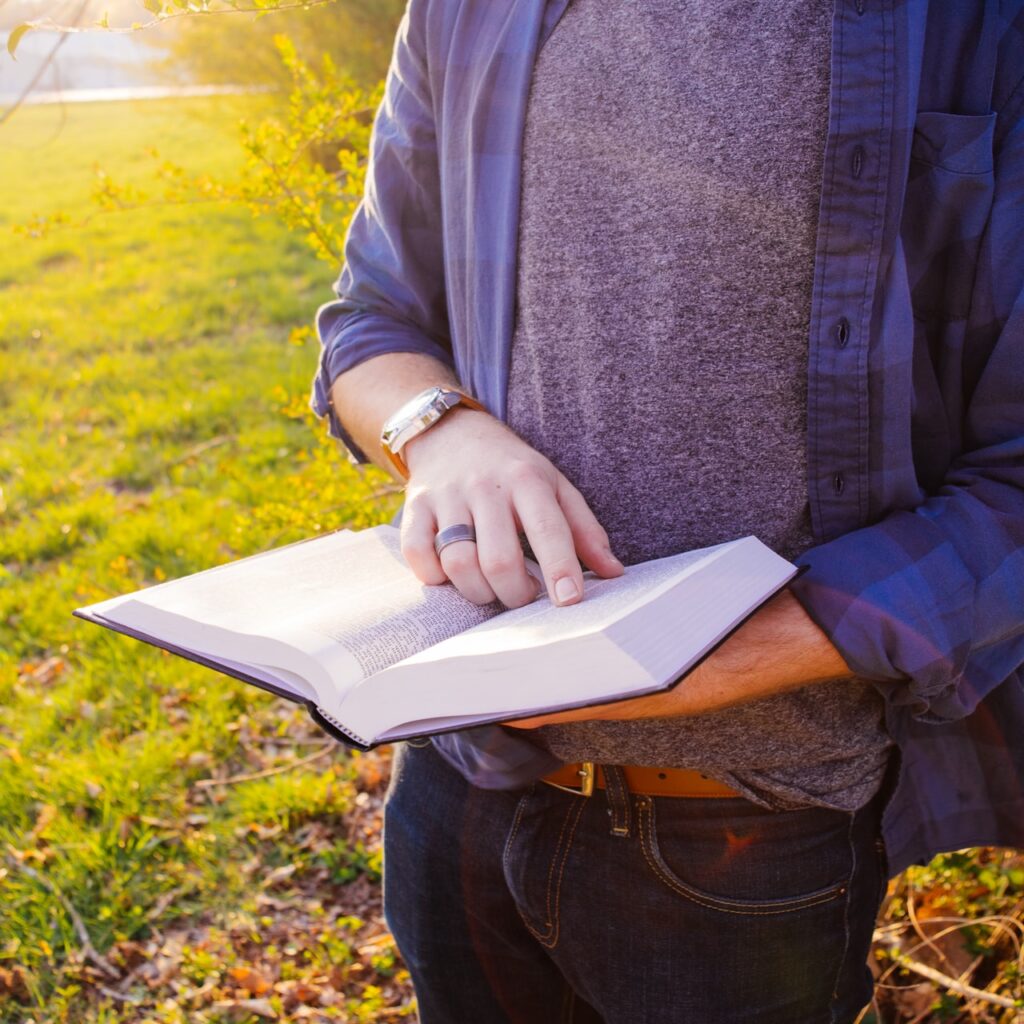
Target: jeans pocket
[779,878]
[534,860]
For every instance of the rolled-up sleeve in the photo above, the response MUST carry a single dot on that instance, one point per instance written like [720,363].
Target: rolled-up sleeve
[391,290]
[933,598]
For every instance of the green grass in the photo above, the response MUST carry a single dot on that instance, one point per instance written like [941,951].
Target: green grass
[151,402]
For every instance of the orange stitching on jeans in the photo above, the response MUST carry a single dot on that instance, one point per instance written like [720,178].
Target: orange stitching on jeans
[646,839]
[846,919]
[529,927]
[561,872]
[554,859]
[550,937]
[508,846]
[520,807]
[516,821]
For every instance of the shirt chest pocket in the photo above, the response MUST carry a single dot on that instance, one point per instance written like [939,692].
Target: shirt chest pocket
[948,200]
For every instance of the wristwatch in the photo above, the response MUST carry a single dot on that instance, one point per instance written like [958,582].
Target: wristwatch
[419,414]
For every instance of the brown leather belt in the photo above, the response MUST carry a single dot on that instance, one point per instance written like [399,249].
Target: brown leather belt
[581,778]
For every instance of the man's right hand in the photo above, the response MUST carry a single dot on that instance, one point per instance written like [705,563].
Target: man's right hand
[470,468]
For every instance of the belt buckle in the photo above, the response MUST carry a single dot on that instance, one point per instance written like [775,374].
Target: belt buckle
[588,774]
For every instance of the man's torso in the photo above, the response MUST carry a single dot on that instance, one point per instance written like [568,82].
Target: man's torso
[670,188]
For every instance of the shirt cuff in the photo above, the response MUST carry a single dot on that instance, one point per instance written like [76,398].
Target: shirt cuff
[365,335]
[896,614]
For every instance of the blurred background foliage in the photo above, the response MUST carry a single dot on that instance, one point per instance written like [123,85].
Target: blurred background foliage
[305,161]
[357,35]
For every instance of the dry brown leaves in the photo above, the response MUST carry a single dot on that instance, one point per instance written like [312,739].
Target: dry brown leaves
[314,950]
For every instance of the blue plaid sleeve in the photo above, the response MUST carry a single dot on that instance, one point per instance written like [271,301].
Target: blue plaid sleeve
[933,597]
[391,290]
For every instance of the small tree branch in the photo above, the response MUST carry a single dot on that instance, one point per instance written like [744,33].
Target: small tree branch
[296,203]
[47,61]
[948,983]
[89,951]
[234,779]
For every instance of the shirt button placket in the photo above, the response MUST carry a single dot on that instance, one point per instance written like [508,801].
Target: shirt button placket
[841,333]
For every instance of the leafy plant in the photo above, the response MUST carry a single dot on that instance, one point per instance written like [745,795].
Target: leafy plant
[305,166]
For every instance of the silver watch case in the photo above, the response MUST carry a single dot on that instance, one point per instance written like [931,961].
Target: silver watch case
[418,414]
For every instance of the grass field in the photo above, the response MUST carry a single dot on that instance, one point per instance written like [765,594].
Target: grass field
[175,846]
[153,419]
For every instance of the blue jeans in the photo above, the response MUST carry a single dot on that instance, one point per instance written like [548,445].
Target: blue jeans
[526,907]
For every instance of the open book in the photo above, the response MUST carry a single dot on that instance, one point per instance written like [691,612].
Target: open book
[339,623]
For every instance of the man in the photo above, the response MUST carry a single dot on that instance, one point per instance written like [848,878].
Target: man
[711,269]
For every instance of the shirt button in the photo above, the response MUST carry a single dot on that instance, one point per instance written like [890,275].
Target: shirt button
[842,331]
[838,483]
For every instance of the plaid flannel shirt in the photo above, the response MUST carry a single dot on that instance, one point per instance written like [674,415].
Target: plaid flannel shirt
[915,368]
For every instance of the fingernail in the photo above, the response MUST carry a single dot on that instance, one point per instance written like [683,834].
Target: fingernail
[608,552]
[566,590]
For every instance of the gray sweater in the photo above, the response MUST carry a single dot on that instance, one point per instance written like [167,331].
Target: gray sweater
[666,251]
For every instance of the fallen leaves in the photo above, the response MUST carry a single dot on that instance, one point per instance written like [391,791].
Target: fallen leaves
[242,1009]
[308,957]
[44,818]
[940,956]
[42,672]
[252,981]
[309,944]
[278,875]
[14,984]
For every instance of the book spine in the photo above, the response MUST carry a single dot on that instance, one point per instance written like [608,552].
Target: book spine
[331,725]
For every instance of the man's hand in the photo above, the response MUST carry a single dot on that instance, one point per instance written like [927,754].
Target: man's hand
[470,468]
[778,649]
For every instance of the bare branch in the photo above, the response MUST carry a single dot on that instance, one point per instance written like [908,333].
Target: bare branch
[287,767]
[948,983]
[89,951]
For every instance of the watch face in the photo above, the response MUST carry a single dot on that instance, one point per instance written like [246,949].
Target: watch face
[413,408]
[416,415]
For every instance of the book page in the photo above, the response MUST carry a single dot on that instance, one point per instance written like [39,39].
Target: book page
[604,602]
[383,613]
[347,600]
[630,635]
[744,575]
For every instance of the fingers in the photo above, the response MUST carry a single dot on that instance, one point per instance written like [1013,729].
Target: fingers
[500,553]
[550,536]
[496,483]
[459,560]
[419,527]
[589,537]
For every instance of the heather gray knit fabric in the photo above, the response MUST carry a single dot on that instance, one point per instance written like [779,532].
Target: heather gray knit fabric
[667,226]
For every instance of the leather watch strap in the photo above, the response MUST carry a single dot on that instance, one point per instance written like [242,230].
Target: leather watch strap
[395,458]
